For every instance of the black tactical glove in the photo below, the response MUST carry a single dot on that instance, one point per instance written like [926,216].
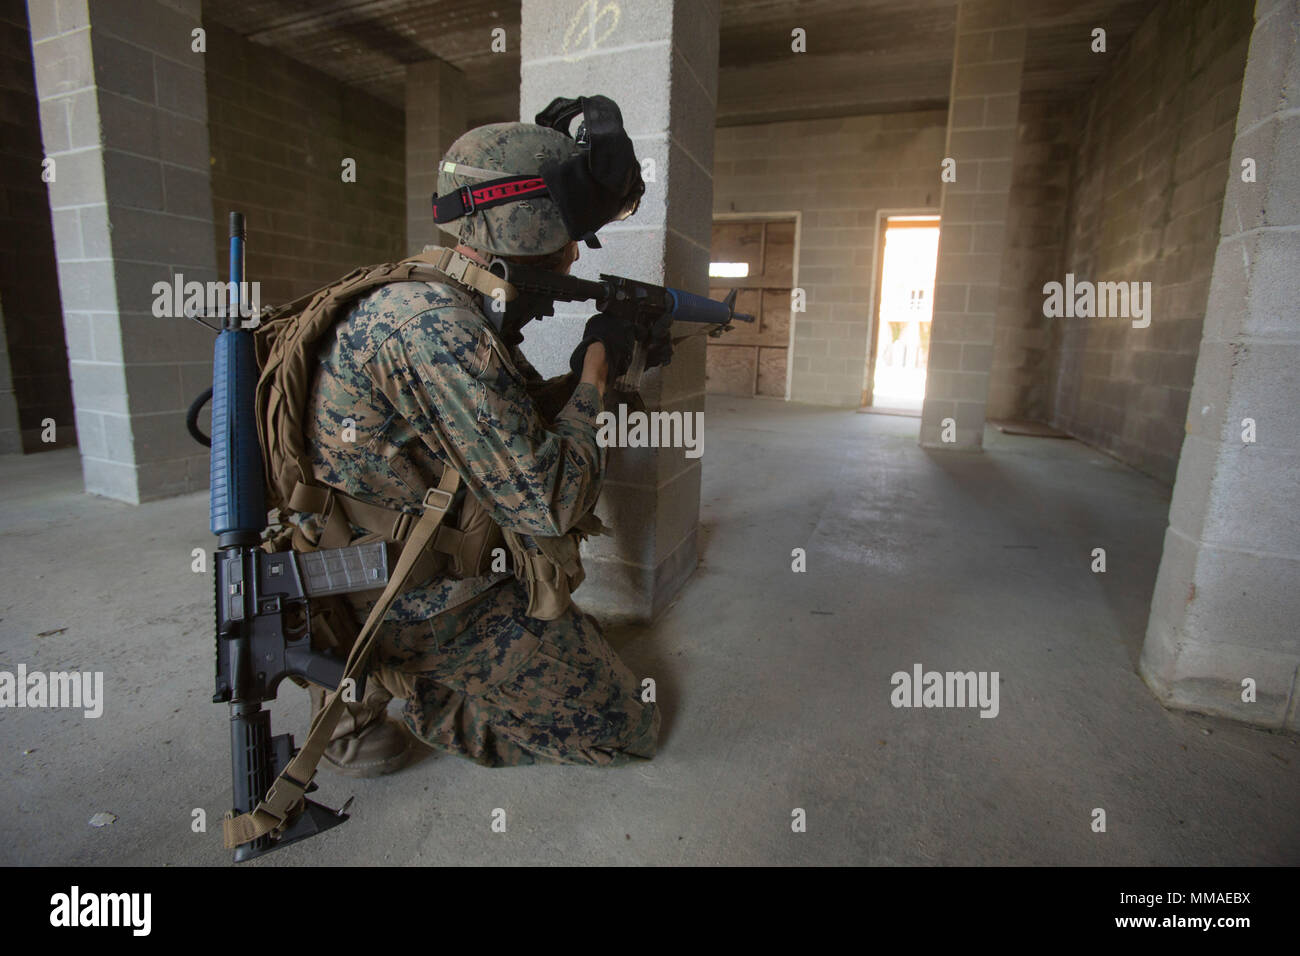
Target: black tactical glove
[613,333]
[659,350]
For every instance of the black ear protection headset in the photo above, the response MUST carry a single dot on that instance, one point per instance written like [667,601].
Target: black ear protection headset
[601,184]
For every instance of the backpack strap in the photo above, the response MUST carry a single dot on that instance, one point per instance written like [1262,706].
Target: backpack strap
[287,360]
[340,511]
[284,799]
[463,270]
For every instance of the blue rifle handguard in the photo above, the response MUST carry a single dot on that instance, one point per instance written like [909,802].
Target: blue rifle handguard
[689,307]
[237,497]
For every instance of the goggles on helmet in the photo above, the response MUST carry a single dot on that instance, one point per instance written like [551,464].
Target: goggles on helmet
[601,184]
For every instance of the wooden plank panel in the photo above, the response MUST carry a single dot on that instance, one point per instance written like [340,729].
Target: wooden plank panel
[738,242]
[778,259]
[774,324]
[730,369]
[746,299]
[755,356]
[743,333]
[771,371]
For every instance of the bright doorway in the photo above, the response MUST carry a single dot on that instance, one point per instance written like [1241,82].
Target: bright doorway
[900,344]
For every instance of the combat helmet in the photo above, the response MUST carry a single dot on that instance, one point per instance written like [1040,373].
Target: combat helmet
[528,189]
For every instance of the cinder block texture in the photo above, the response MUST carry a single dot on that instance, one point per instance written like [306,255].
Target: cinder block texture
[838,173]
[280,133]
[10,438]
[435,116]
[988,60]
[651,497]
[1155,150]
[37,384]
[1020,375]
[122,97]
[1222,637]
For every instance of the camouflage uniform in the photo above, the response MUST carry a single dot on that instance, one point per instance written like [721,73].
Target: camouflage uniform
[484,680]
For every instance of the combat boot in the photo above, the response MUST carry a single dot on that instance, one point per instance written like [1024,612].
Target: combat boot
[365,742]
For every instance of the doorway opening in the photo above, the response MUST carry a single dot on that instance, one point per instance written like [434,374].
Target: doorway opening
[900,342]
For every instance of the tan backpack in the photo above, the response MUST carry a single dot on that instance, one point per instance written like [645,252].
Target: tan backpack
[286,343]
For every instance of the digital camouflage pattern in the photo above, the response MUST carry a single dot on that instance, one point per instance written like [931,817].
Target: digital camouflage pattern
[531,227]
[409,376]
[505,689]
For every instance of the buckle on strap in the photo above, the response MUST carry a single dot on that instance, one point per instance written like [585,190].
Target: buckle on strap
[437,499]
[456,267]
[466,199]
[283,799]
[434,499]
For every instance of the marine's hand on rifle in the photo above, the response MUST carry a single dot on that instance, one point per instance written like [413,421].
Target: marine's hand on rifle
[613,333]
[659,347]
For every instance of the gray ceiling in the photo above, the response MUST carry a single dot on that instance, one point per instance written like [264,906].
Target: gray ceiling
[864,56]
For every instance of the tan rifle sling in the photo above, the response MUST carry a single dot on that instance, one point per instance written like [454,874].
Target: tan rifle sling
[284,799]
[286,354]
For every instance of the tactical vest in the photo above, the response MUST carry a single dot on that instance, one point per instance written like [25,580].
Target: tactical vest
[287,343]
[286,349]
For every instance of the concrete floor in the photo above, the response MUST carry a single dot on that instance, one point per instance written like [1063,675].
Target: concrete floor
[775,685]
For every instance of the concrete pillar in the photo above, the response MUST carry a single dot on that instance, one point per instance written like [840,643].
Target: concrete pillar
[983,104]
[1227,596]
[11,442]
[435,117]
[658,60]
[124,117]
[37,375]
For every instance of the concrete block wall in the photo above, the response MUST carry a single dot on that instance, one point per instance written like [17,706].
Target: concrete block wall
[837,173]
[1222,636]
[10,436]
[984,106]
[36,383]
[1147,193]
[660,64]
[435,118]
[124,115]
[279,133]
[1020,379]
